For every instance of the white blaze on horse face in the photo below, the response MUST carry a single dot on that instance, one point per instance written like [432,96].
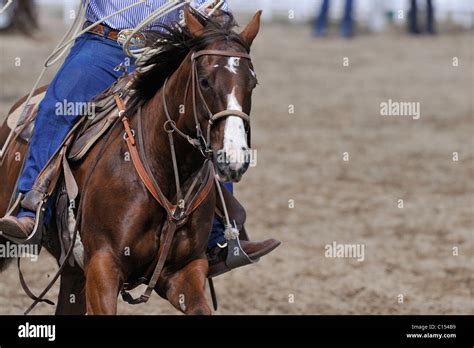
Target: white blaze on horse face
[232,64]
[235,138]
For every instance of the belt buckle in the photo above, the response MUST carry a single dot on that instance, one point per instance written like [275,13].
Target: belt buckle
[138,40]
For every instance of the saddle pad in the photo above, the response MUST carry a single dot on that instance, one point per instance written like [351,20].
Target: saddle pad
[17,117]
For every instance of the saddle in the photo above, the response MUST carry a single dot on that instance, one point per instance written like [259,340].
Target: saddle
[21,118]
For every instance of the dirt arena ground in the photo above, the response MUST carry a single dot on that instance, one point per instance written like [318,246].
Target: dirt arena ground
[408,251]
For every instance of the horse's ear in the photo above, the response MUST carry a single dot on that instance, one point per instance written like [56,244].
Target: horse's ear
[251,30]
[195,27]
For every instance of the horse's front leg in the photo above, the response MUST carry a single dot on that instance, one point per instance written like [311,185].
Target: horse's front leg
[103,281]
[186,288]
[72,299]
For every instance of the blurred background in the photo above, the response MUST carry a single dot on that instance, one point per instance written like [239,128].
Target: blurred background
[330,167]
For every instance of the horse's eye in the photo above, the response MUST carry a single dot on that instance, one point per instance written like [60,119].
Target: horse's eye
[204,83]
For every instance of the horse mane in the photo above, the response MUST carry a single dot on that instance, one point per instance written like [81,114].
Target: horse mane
[170,46]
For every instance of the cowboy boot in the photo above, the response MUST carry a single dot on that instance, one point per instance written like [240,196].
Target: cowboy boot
[217,256]
[22,227]
[15,227]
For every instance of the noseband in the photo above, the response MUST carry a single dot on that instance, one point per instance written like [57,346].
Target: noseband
[200,142]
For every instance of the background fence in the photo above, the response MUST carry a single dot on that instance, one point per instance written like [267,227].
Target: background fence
[458,11]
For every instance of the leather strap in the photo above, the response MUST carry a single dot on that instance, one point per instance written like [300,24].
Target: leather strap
[27,290]
[204,191]
[141,171]
[227,113]
[169,232]
[201,53]
[224,114]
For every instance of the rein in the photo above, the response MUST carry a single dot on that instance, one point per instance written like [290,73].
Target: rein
[177,214]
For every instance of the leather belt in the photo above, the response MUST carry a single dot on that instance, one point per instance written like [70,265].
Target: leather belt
[103,30]
[138,40]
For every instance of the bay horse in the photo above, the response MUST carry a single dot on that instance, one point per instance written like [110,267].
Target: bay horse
[118,212]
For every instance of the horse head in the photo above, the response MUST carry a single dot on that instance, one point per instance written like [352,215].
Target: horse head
[203,78]
[224,82]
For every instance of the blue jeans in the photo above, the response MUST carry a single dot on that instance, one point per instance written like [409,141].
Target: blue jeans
[217,232]
[86,71]
[347,24]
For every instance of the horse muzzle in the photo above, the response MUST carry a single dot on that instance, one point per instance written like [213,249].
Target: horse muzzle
[231,166]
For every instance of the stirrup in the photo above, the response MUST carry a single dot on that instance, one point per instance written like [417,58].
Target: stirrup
[236,256]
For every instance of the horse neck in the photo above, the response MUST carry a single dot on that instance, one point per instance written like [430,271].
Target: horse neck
[156,140]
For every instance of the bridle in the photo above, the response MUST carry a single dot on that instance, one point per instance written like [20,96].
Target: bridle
[185,204]
[201,142]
